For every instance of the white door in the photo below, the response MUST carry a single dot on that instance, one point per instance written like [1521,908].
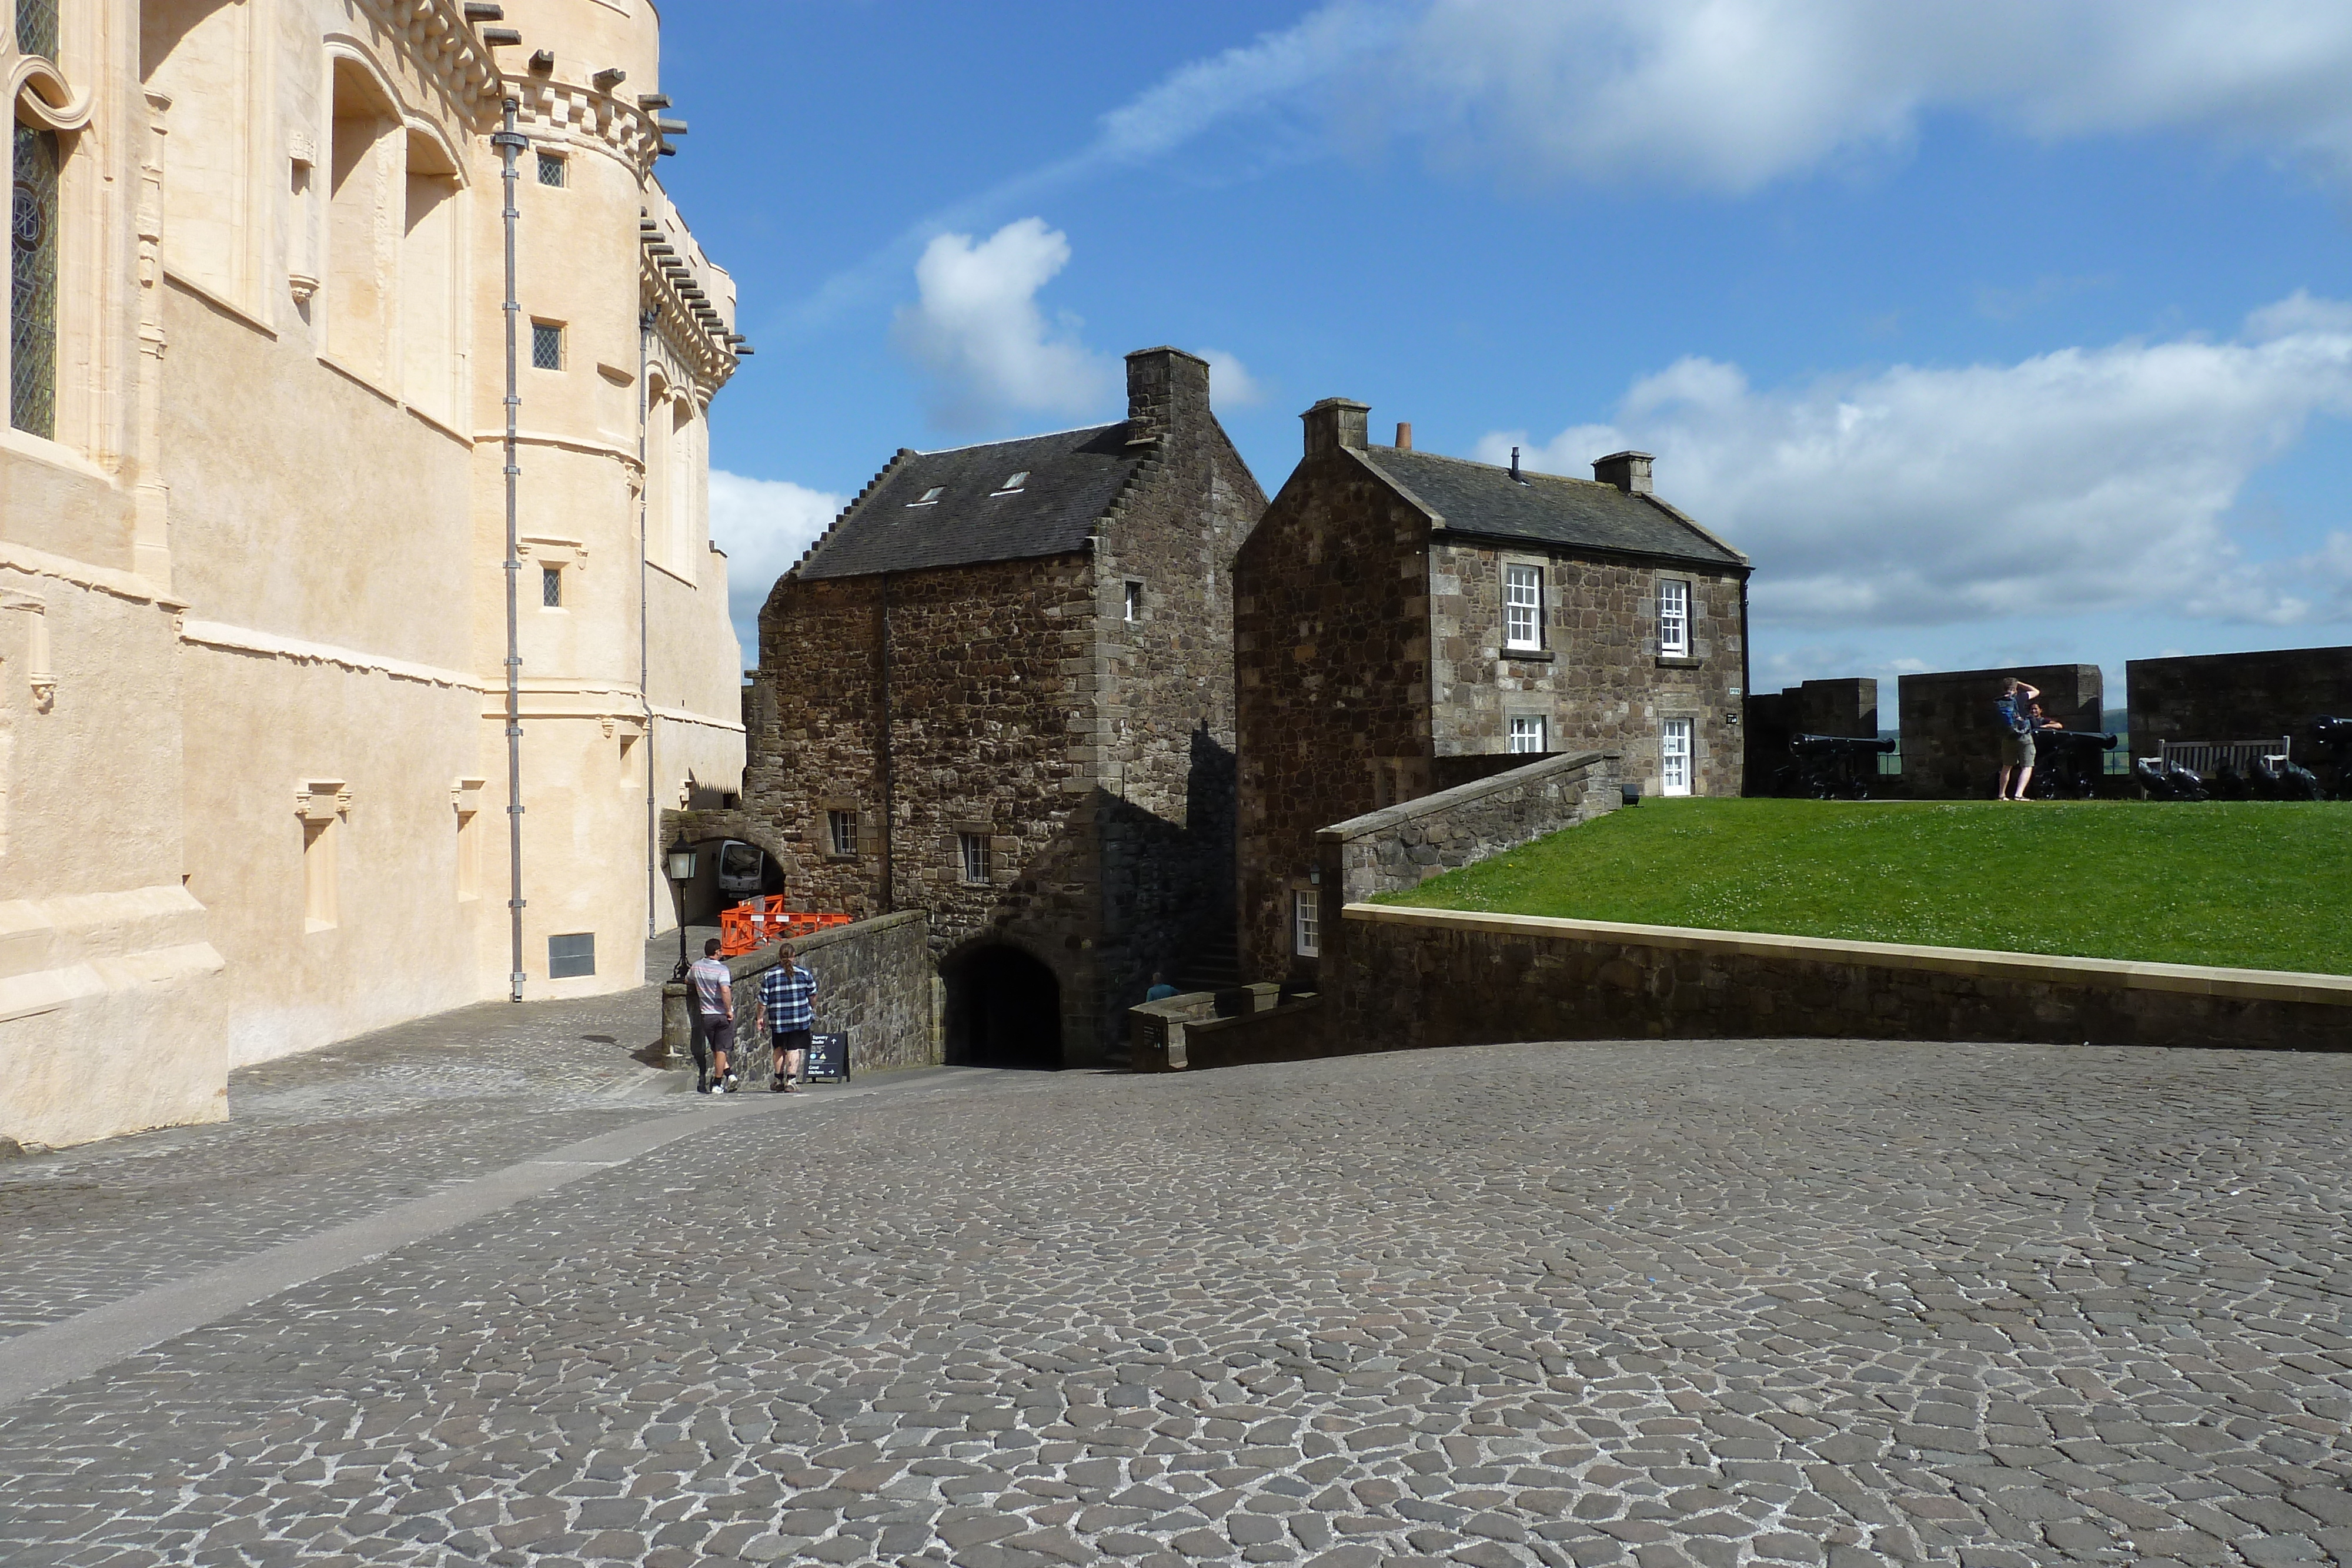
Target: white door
[1674,756]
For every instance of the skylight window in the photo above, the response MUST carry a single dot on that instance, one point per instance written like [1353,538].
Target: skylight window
[1012,486]
[930,498]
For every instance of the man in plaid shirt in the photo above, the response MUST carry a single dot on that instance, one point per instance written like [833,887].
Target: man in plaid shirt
[785,994]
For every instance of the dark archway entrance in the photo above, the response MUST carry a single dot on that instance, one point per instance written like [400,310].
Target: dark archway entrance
[1005,1009]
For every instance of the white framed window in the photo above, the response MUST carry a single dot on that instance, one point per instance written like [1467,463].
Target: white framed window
[1134,601]
[1523,607]
[1528,732]
[973,849]
[930,498]
[1013,484]
[1674,756]
[1674,620]
[841,832]
[1307,922]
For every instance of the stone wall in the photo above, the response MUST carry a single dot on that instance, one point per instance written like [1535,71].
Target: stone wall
[1399,848]
[1951,736]
[1419,977]
[1848,706]
[1331,640]
[876,983]
[2238,696]
[1599,681]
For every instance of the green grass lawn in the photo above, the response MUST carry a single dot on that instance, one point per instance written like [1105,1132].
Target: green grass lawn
[2255,885]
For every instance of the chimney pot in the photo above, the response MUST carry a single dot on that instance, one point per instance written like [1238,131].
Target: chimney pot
[1335,422]
[1405,436]
[1629,471]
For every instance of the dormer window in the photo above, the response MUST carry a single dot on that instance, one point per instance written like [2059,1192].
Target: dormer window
[1012,486]
[930,498]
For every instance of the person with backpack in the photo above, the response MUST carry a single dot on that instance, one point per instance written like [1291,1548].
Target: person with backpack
[2015,708]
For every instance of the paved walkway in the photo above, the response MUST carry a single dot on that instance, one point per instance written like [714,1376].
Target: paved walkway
[487,1291]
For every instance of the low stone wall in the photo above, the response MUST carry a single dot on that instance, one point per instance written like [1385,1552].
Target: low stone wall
[1400,847]
[874,983]
[1408,979]
[2238,696]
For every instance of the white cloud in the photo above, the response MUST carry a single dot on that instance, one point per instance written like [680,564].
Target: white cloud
[2079,481]
[1732,94]
[977,331]
[763,525]
[1231,386]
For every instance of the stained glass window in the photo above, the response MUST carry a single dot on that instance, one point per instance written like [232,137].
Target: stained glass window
[33,273]
[36,27]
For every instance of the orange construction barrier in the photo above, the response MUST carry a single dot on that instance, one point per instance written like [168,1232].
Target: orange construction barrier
[757,922]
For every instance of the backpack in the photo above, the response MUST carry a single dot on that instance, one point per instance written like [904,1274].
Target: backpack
[2015,716]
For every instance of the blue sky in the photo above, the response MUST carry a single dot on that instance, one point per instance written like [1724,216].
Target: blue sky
[1994,333]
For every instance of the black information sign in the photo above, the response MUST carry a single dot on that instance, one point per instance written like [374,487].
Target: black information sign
[828,1057]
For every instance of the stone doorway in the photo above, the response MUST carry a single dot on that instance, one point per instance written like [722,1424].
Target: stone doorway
[1003,1008]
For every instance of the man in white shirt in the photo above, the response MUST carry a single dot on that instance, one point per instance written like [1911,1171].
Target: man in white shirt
[710,1004]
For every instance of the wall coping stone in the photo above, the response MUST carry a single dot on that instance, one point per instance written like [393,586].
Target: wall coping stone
[2106,974]
[1389,817]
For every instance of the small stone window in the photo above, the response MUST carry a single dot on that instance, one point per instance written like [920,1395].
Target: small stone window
[1528,732]
[973,851]
[546,345]
[1307,922]
[841,832]
[1673,619]
[1134,601]
[551,587]
[552,171]
[1523,607]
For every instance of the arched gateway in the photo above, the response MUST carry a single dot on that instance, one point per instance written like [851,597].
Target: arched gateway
[1003,1008]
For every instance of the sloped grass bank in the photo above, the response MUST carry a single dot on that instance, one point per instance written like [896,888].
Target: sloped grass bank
[2254,884]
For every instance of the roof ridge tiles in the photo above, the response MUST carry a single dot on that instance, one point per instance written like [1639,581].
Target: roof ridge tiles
[1011,440]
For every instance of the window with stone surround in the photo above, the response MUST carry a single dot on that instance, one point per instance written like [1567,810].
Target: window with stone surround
[1673,619]
[1307,922]
[551,587]
[841,832]
[1134,601]
[1523,607]
[546,345]
[1674,756]
[1528,732]
[32,282]
[971,851]
[552,170]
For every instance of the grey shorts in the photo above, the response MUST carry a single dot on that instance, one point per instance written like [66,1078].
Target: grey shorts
[2017,750]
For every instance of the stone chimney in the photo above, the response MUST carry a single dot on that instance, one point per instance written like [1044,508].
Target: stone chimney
[1629,471]
[1166,390]
[1334,422]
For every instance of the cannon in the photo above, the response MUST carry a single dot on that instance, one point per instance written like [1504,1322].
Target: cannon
[2067,763]
[2334,738]
[2161,780]
[1832,766]
[2277,779]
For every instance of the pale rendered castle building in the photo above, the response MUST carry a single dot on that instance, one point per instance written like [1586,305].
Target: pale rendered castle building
[253,530]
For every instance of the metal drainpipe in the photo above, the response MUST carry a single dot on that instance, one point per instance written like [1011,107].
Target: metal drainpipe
[508,142]
[644,614]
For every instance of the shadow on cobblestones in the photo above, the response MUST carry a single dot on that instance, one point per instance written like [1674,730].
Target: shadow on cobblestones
[1714,1303]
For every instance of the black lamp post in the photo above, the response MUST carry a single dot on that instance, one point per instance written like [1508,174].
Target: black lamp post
[679,863]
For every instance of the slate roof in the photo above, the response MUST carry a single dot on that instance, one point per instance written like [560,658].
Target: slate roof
[1074,478]
[1482,499]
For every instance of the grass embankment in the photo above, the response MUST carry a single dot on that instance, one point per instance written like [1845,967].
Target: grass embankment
[2255,885]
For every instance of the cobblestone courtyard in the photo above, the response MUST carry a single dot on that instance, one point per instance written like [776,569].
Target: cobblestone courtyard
[1644,1304]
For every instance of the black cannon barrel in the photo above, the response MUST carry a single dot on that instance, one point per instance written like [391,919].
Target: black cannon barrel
[1840,745]
[2075,739]
[2331,731]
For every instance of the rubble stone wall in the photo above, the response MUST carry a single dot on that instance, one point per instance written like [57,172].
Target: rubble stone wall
[1599,681]
[2238,696]
[876,983]
[1951,736]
